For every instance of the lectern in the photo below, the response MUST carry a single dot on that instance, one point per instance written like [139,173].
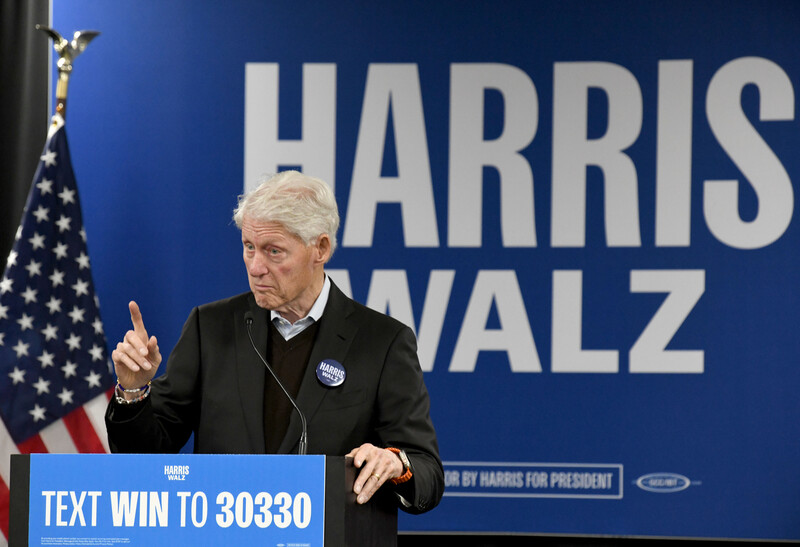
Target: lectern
[183,499]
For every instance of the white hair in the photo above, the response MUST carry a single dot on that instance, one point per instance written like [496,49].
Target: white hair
[304,205]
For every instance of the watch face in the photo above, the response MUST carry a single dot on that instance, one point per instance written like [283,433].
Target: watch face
[404,459]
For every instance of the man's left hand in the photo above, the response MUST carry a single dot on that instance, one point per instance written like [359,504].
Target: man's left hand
[377,466]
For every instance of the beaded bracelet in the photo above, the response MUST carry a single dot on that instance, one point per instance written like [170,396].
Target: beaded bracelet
[123,401]
[137,390]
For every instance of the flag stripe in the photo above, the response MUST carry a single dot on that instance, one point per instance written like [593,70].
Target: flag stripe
[84,437]
[7,447]
[5,500]
[32,445]
[96,411]
[57,439]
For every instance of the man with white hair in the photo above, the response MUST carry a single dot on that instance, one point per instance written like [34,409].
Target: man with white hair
[354,372]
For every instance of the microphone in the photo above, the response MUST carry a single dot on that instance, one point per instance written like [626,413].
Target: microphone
[303,443]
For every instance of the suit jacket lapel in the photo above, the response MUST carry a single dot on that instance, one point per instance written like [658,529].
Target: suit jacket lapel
[335,334]
[250,371]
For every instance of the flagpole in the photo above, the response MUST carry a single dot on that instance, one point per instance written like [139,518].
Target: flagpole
[67,52]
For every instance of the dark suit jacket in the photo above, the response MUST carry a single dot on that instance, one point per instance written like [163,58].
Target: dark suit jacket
[214,387]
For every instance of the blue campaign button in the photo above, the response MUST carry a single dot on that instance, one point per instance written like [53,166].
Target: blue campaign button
[331,373]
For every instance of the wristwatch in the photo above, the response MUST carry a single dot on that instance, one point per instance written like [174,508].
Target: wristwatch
[407,472]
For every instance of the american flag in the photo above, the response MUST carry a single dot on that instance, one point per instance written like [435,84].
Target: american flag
[55,376]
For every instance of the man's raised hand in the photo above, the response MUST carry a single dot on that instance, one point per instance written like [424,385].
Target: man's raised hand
[137,357]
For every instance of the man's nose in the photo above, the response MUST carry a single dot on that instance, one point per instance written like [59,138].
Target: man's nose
[258,265]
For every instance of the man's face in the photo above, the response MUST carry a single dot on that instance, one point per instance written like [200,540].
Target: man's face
[285,274]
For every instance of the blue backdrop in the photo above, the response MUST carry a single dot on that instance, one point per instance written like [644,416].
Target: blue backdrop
[584,209]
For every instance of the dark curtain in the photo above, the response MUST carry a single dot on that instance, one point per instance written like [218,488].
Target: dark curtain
[23,107]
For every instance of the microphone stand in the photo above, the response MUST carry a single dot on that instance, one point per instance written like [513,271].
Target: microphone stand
[302,445]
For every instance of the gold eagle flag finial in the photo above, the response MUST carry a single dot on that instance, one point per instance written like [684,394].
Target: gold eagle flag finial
[67,51]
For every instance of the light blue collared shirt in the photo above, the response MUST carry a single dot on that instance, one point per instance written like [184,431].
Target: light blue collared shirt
[289,330]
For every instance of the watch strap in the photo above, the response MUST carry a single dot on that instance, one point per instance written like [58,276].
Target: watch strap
[406,476]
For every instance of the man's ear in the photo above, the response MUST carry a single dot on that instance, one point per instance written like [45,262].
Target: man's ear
[323,245]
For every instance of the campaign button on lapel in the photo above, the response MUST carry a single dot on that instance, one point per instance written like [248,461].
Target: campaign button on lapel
[331,373]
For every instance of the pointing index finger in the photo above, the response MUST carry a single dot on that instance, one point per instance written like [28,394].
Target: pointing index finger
[138,323]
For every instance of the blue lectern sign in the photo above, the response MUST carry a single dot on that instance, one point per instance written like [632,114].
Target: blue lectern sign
[176,500]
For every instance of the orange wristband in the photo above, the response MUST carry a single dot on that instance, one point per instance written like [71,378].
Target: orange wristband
[405,477]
